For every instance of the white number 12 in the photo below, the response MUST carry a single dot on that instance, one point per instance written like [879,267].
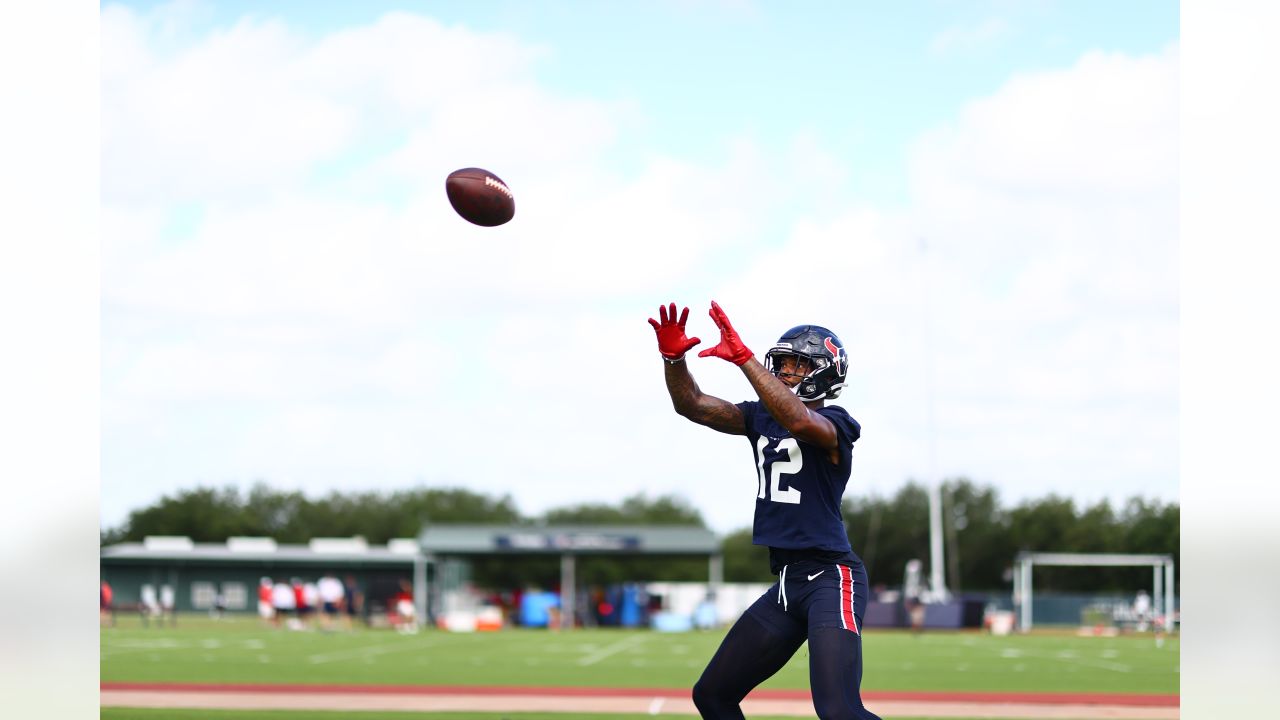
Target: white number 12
[793,463]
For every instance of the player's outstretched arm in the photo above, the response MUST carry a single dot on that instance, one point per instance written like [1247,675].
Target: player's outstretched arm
[789,410]
[689,401]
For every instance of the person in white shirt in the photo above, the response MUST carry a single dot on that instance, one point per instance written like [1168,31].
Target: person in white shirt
[331,597]
[167,605]
[148,605]
[311,596]
[1142,610]
[283,602]
[266,610]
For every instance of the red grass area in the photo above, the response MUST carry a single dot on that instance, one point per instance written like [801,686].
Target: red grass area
[1127,699]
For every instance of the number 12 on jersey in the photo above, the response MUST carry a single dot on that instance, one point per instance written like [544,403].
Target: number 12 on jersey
[778,468]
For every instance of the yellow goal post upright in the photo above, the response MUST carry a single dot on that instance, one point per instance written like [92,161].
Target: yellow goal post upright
[1162,579]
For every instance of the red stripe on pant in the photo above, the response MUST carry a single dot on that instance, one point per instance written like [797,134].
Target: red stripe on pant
[846,600]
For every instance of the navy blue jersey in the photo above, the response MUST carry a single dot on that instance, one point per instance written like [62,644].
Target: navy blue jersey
[799,489]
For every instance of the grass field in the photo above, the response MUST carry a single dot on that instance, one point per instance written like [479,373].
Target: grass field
[171,714]
[239,650]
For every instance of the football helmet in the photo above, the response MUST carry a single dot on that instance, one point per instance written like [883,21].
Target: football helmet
[827,358]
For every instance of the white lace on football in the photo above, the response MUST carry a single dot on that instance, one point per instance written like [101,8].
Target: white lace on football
[494,183]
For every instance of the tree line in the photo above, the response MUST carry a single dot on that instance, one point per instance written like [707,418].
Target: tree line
[981,535]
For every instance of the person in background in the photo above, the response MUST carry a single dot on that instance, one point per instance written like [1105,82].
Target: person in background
[285,604]
[148,604]
[219,609]
[1142,611]
[353,599]
[300,604]
[106,610]
[266,610]
[916,614]
[331,597]
[404,616]
[167,607]
[311,592]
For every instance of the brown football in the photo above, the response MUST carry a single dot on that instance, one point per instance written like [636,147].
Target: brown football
[480,197]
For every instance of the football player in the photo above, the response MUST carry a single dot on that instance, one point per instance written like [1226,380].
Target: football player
[802,456]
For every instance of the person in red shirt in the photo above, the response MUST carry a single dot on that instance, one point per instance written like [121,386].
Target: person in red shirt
[300,602]
[265,609]
[403,613]
[106,611]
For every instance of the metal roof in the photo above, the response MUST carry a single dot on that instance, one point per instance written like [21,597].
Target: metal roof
[577,539]
[1086,559]
[439,539]
[240,550]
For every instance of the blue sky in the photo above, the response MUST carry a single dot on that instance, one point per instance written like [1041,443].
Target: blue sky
[862,79]
[287,297]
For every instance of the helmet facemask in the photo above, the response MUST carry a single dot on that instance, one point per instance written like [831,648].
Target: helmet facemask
[826,358]
[807,388]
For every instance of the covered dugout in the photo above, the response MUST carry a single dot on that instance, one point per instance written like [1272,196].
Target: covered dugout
[198,571]
[441,542]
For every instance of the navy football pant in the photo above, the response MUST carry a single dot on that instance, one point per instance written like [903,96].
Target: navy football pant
[822,603]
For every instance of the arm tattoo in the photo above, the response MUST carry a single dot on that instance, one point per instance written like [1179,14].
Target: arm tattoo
[789,410]
[725,417]
[699,407]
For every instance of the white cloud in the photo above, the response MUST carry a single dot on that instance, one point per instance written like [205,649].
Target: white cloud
[1050,213]
[329,323]
[964,38]
[1103,129]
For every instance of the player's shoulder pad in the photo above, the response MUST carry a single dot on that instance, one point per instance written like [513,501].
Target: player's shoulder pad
[751,409]
[844,422]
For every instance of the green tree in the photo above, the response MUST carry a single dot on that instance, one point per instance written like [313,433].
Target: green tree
[743,561]
[978,532]
[888,533]
[634,510]
[273,513]
[211,515]
[1150,527]
[203,514]
[637,509]
[982,537]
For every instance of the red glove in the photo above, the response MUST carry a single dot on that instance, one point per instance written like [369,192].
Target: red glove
[671,340]
[730,347]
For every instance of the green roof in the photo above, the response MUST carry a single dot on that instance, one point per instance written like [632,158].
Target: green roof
[578,539]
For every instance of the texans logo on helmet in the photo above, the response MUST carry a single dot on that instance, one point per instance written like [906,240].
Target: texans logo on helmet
[835,353]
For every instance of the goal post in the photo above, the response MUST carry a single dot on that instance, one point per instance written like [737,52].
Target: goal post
[1162,578]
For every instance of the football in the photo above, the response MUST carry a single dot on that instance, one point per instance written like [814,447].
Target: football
[480,197]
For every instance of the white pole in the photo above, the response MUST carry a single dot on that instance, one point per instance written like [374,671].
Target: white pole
[1168,595]
[937,584]
[1017,592]
[568,593]
[1026,595]
[1157,592]
[420,587]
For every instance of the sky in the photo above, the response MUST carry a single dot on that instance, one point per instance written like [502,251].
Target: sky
[979,198]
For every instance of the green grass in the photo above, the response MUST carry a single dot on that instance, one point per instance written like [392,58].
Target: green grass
[178,714]
[241,651]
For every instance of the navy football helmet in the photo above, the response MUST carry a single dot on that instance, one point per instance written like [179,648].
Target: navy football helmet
[829,363]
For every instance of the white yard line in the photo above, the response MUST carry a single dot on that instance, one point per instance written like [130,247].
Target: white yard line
[1118,667]
[366,651]
[111,652]
[613,649]
[122,647]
